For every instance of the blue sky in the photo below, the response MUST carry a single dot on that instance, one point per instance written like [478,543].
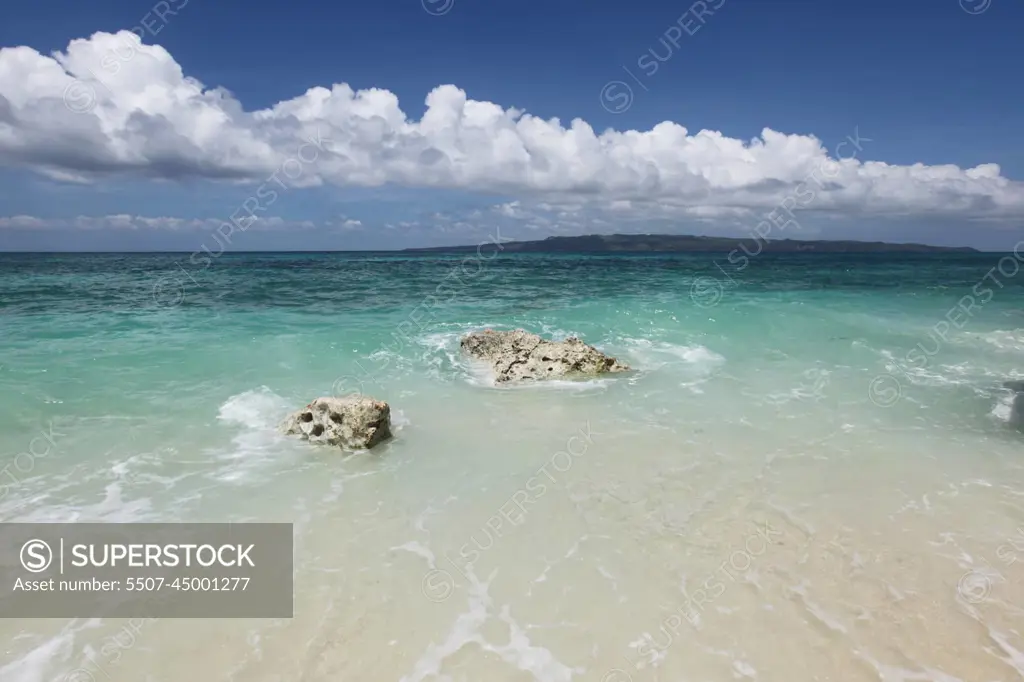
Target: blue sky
[122,153]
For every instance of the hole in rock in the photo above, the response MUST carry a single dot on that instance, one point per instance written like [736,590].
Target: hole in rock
[318,430]
[307,416]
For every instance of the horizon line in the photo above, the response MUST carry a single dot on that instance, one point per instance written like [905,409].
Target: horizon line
[429,250]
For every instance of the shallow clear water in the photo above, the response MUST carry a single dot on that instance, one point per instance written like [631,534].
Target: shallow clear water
[803,478]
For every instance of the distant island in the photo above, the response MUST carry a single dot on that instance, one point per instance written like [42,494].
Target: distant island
[676,243]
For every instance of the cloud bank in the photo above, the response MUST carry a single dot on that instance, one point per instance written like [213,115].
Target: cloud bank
[163,223]
[109,106]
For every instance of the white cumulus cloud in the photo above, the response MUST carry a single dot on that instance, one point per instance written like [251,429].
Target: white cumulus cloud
[82,115]
[160,223]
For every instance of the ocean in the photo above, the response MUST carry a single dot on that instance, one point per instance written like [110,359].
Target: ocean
[809,474]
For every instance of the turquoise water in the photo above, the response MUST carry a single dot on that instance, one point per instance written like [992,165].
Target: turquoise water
[853,400]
